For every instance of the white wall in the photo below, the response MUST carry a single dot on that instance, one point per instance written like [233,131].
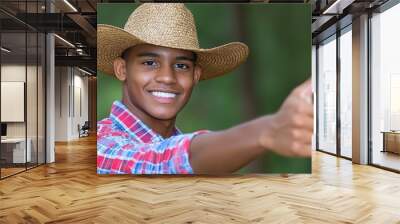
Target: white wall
[13,73]
[70,83]
[33,127]
[61,103]
[80,94]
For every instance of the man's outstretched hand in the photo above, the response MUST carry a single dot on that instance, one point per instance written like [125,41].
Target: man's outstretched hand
[290,130]
[287,132]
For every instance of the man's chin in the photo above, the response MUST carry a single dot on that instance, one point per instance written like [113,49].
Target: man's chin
[164,115]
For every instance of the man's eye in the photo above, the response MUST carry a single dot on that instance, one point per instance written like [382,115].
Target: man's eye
[149,63]
[181,66]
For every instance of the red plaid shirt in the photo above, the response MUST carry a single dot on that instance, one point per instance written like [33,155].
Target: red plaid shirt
[125,145]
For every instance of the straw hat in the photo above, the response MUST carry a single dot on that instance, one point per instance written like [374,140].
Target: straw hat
[168,25]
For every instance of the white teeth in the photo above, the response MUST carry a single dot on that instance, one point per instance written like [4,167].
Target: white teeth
[163,94]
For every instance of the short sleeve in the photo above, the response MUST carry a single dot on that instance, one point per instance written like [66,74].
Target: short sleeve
[120,155]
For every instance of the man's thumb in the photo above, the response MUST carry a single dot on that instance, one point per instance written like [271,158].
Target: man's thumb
[305,90]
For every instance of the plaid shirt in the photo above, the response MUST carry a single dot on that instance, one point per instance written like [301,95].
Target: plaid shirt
[125,145]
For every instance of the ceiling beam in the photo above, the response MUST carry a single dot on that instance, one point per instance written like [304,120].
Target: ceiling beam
[82,61]
[84,24]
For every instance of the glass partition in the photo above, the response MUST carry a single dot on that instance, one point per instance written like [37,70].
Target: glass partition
[22,88]
[13,95]
[327,95]
[385,89]
[346,92]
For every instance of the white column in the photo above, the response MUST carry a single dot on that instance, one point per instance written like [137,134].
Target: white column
[50,93]
[360,90]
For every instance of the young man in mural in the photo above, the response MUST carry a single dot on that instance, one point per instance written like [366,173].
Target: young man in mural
[158,59]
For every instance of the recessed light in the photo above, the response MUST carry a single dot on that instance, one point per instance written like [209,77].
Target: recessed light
[64,40]
[5,50]
[70,5]
[84,71]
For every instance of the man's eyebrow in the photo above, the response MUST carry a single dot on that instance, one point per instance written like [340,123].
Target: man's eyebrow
[152,54]
[185,58]
[148,54]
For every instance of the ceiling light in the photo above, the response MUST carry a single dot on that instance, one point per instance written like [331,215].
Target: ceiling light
[5,50]
[70,5]
[337,7]
[65,41]
[84,71]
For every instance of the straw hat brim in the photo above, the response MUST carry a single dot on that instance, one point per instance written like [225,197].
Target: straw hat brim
[112,41]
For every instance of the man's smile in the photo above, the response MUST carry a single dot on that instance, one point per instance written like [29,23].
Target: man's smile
[164,96]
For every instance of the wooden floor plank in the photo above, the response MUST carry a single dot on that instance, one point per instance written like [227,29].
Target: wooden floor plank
[70,191]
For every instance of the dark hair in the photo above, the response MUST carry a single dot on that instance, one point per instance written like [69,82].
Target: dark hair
[125,53]
[194,57]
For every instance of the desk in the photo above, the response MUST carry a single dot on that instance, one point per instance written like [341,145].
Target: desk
[391,141]
[16,147]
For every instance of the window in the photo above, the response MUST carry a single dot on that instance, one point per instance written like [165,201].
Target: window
[327,95]
[385,88]
[345,92]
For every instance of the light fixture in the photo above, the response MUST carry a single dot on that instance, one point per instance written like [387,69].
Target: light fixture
[84,71]
[337,7]
[64,40]
[80,51]
[70,5]
[5,50]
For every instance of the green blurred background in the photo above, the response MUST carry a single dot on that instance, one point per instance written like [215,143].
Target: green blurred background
[279,38]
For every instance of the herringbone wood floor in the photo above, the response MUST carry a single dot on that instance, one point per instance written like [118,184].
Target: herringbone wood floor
[69,191]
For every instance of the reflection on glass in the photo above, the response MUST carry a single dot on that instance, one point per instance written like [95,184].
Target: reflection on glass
[13,85]
[22,88]
[327,96]
[346,94]
[386,89]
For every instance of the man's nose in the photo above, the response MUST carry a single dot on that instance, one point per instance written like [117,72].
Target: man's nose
[166,75]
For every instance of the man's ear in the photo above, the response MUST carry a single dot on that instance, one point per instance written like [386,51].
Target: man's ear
[197,74]
[120,69]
